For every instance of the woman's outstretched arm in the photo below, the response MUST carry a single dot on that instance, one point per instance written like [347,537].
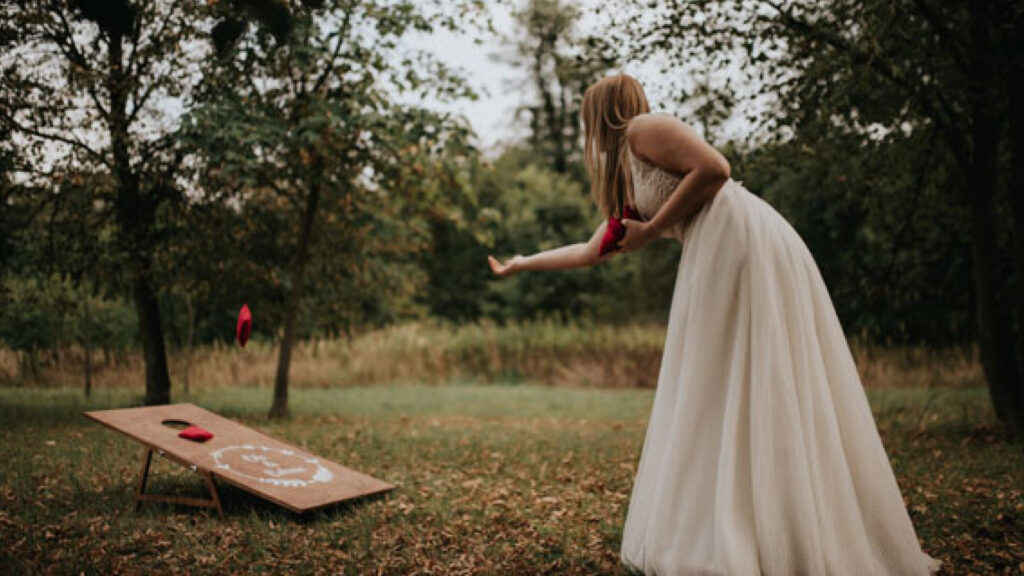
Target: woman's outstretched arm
[567,257]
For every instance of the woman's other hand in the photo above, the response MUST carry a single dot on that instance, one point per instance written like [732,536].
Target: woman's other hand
[638,235]
[505,269]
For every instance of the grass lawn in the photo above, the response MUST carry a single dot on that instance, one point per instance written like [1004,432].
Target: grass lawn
[493,479]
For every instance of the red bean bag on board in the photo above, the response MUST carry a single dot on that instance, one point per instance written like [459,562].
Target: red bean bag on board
[196,434]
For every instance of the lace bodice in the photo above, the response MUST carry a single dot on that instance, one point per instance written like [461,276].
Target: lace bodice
[652,186]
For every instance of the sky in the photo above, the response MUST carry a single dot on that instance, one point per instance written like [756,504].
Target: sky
[502,88]
[498,84]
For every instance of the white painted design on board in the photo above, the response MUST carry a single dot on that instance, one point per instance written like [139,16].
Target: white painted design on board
[273,466]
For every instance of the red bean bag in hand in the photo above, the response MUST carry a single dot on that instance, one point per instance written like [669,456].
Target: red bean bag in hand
[196,434]
[615,231]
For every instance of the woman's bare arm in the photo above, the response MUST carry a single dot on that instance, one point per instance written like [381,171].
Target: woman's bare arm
[667,142]
[577,255]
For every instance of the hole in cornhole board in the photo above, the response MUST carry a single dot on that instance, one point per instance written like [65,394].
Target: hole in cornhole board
[176,424]
[238,455]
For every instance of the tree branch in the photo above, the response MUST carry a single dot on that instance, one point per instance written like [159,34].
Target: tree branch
[138,68]
[66,44]
[15,125]
[940,112]
[139,101]
[334,55]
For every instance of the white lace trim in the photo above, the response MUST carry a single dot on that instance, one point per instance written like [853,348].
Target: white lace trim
[652,185]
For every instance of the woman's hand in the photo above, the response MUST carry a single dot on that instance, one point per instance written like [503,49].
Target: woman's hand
[504,269]
[638,235]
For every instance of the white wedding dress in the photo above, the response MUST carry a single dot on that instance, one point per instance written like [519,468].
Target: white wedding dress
[761,454]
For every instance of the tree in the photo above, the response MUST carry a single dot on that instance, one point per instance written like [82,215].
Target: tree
[310,123]
[560,63]
[886,70]
[91,86]
[711,105]
[68,239]
[892,248]
[530,207]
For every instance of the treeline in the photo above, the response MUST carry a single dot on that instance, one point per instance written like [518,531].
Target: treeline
[897,269]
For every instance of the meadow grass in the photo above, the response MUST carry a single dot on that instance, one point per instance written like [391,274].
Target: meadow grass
[513,448]
[499,478]
[555,353]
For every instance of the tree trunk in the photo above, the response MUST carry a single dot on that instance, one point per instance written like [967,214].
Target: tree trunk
[552,137]
[996,337]
[135,216]
[562,122]
[172,326]
[189,336]
[158,381]
[1015,100]
[55,343]
[279,409]
[86,335]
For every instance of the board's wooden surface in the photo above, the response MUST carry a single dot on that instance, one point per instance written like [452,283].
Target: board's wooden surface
[244,457]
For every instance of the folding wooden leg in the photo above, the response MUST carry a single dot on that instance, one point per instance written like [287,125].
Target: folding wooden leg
[140,488]
[214,497]
[141,496]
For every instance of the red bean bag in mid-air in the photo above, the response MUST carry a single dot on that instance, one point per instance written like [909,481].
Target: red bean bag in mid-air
[244,325]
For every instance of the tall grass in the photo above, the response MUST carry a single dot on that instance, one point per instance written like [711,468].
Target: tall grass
[546,352]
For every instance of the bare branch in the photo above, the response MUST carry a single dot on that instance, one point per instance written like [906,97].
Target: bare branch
[342,33]
[65,41]
[139,101]
[940,111]
[15,125]
[138,68]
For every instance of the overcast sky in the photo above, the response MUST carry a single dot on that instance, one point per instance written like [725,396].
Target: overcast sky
[501,87]
[491,115]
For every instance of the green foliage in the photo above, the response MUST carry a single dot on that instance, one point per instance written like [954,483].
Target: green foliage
[95,88]
[861,156]
[44,313]
[880,124]
[34,309]
[113,325]
[891,246]
[543,210]
[531,207]
[255,144]
[558,63]
[334,184]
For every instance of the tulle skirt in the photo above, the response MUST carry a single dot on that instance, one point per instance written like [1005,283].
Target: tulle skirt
[761,455]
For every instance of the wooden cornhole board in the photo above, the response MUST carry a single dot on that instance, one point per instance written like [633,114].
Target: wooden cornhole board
[238,455]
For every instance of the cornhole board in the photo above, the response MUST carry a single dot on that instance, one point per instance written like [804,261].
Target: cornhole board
[239,455]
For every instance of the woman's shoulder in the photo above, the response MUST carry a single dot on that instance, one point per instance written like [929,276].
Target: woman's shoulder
[641,124]
[648,130]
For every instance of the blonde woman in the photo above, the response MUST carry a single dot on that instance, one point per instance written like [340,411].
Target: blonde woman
[761,454]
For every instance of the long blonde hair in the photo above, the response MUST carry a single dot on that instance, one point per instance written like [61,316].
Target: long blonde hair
[608,106]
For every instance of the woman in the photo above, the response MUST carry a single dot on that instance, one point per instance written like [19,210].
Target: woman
[761,454]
